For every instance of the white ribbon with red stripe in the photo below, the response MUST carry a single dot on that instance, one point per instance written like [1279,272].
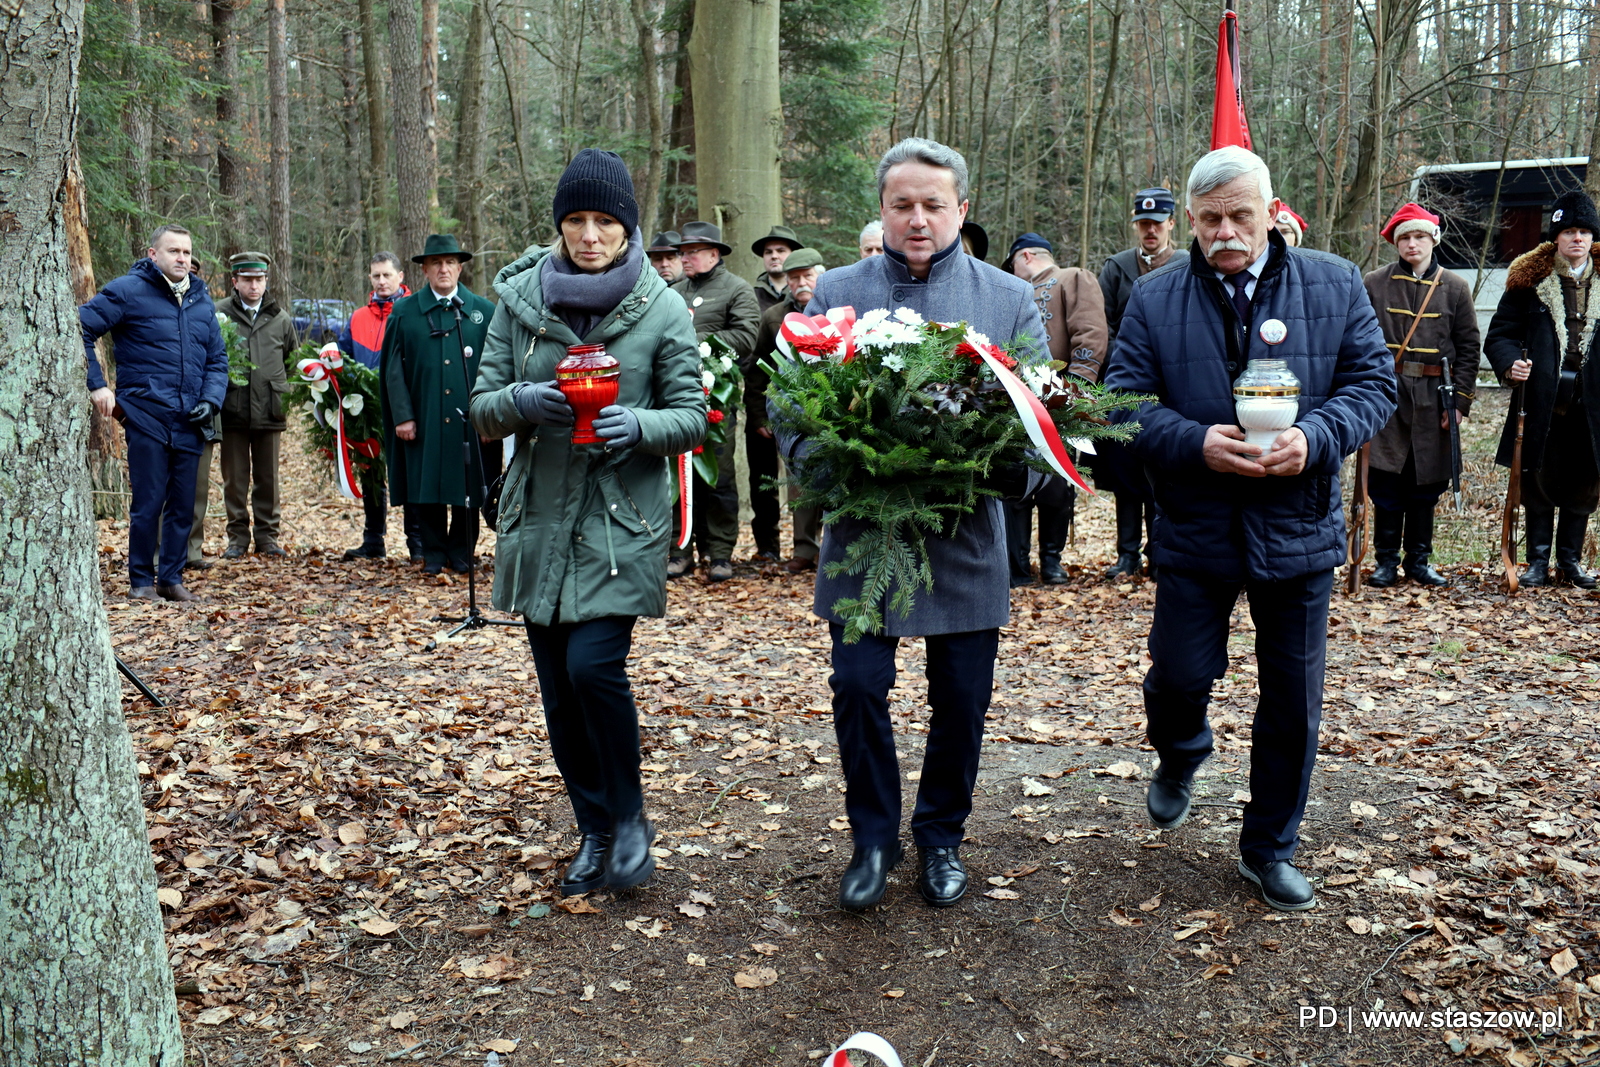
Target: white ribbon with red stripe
[684,467]
[1035,419]
[836,325]
[863,1042]
[322,369]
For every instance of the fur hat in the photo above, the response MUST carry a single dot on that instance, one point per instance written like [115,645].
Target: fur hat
[597,180]
[1573,211]
[1411,217]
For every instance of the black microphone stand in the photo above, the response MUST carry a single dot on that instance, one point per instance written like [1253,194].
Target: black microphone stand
[138,683]
[477,493]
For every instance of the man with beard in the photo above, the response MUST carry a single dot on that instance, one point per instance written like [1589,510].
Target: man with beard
[804,267]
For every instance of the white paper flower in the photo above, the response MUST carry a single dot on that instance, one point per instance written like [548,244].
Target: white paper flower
[354,402]
[727,364]
[221,318]
[705,349]
[707,379]
[908,316]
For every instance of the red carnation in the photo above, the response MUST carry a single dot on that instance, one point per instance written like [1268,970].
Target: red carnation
[815,344]
[715,416]
[699,449]
[968,349]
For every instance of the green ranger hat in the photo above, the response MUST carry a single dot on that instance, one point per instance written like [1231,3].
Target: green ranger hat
[802,259]
[249,264]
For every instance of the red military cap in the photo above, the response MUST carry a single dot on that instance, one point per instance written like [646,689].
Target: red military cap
[1411,217]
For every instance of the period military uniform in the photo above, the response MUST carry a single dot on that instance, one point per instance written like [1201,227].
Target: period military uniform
[431,348]
[1410,457]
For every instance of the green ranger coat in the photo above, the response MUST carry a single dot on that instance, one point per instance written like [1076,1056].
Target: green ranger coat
[270,340]
[723,303]
[426,379]
[583,530]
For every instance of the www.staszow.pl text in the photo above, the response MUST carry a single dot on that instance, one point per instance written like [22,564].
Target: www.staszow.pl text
[1328,1017]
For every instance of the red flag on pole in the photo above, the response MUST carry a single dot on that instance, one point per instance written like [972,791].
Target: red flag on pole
[1228,125]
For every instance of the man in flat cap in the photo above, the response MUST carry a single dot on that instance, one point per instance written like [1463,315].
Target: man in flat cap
[431,348]
[252,414]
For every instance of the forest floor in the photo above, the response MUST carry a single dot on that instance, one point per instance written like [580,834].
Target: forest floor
[357,834]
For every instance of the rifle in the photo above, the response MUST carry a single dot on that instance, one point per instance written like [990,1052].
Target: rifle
[1356,544]
[1447,402]
[1508,516]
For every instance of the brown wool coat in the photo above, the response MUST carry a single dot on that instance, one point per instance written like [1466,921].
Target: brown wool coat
[1448,332]
[1074,312]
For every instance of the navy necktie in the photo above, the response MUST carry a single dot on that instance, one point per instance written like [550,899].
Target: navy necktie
[1241,301]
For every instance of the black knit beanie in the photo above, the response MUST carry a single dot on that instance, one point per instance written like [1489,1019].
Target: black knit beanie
[597,180]
[1574,210]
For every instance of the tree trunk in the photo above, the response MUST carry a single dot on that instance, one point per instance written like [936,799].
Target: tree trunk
[377,135]
[1591,181]
[410,139]
[428,101]
[470,145]
[230,176]
[278,132]
[137,120]
[683,145]
[649,183]
[83,966]
[733,61]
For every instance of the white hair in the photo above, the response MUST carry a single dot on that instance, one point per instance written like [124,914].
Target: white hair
[871,229]
[1229,163]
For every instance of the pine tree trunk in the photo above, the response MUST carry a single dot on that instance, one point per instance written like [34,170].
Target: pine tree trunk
[682,126]
[470,144]
[733,60]
[84,978]
[137,121]
[428,101]
[230,172]
[350,112]
[377,135]
[278,127]
[410,139]
[648,184]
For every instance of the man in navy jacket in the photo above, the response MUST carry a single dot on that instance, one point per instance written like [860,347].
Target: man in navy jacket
[172,375]
[1231,517]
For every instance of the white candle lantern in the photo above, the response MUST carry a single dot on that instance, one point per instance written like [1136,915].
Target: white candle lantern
[1266,399]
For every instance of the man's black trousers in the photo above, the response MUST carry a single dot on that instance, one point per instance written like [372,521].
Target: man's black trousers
[960,672]
[590,715]
[1189,650]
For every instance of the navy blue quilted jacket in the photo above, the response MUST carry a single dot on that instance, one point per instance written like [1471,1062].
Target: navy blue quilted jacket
[1178,341]
[169,356]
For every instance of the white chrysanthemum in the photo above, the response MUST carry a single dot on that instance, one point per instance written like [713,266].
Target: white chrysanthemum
[894,361]
[908,316]
[976,338]
[705,349]
[707,379]
[872,318]
[354,402]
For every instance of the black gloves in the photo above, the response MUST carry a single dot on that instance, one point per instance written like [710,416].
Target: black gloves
[542,404]
[202,413]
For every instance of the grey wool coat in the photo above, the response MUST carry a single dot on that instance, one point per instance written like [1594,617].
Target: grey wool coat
[971,580]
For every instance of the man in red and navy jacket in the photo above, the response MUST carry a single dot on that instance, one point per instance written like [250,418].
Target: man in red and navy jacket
[362,340]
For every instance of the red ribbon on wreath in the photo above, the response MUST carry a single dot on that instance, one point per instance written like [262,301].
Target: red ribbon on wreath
[325,369]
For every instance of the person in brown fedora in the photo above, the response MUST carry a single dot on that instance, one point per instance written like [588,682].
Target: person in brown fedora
[774,250]
[665,258]
[723,305]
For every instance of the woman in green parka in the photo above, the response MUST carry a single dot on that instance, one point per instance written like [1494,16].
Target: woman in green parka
[582,549]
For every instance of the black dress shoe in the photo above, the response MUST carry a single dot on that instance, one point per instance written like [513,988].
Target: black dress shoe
[1385,575]
[943,880]
[587,871]
[1127,566]
[1423,573]
[433,568]
[1575,574]
[1050,572]
[867,876]
[1535,574]
[368,550]
[1281,884]
[1020,580]
[1168,800]
[628,860]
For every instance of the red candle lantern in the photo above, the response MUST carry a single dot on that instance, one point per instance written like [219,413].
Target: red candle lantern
[588,379]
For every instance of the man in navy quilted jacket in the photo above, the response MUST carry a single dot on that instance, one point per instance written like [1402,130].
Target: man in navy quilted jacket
[1233,517]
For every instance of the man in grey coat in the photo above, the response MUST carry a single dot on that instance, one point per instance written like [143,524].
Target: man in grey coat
[922,193]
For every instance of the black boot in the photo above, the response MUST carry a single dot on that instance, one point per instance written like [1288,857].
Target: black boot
[1130,530]
[1386,530]
[628,860]
[1541,526]
[1055,519]
[1569,549]
[1019,534]
[1419,546]
[587,871]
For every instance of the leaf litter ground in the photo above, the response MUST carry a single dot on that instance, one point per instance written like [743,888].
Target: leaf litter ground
[357,839]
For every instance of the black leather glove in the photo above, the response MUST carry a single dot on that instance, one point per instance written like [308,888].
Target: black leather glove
[542,404]
[202,413]
[1010,481]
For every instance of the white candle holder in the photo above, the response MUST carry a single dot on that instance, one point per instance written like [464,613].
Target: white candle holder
[1266,401]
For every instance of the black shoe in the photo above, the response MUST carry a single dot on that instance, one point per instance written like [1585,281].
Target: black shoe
[1020,580]
[587,871]
[943,880]
[867,876]
[1386,574]
[628,860]
[1423,573]
[1282,885]
[233,552]
[368,550]
[1574,573]
[1168,800]
[1537,573]
[433,568]
[766,556]
[1050,572]
[198,565]
[271,548]
[1569,550]
[1127,566]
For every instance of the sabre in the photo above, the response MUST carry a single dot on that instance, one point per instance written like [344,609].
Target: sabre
[1447,402]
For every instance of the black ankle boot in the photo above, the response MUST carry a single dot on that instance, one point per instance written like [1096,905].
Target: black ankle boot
[628,860]
[1419,546]
[587,871]
[1386,530]
[1050,572]
[1569,549]
[1541,525]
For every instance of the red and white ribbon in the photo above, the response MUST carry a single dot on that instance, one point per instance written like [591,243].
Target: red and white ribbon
[322,369]
[1035,419]
[864,1042]
[815,336]
[683,466]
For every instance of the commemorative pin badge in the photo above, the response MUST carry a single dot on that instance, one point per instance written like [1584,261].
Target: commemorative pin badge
[699,300]
[477,317]
[1273,331]
[1556,216]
